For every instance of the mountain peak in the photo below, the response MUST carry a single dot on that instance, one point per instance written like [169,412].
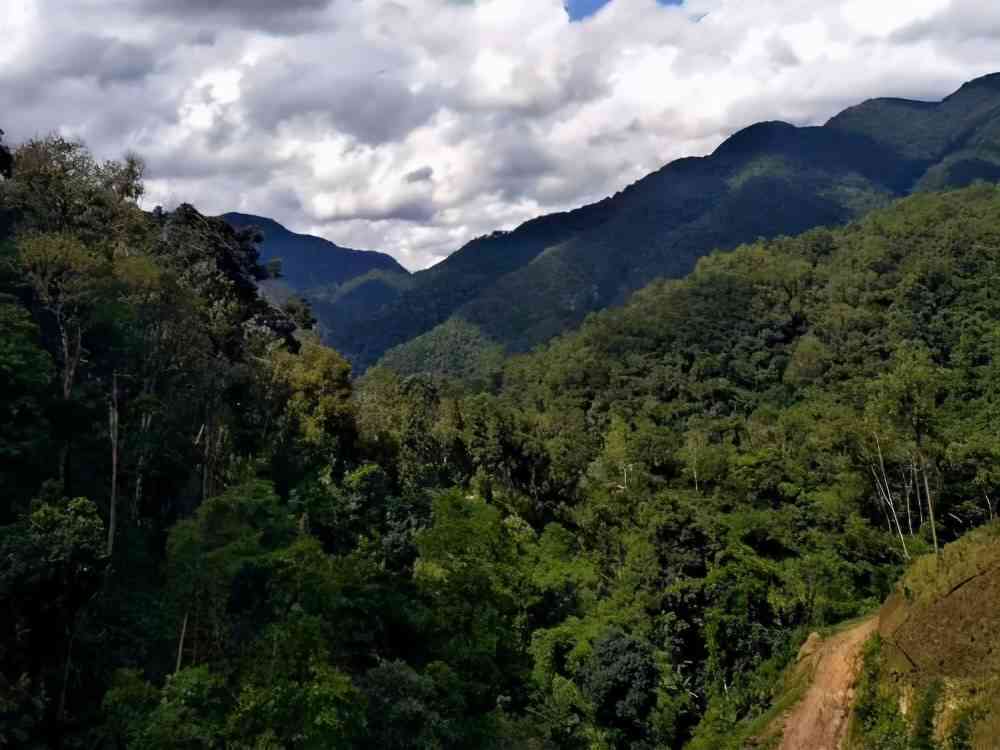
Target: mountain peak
[310,262]
[757,137]
[235,218]
[990,82]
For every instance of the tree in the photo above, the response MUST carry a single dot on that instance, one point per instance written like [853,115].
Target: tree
[405,709]
[301,312]
[314,424]
[51,565]
[68,280]
[469,568]
[190,713]
[906,396]
[25,373]
[296,699]
[57,186]
[6,160]
[207,552]
[621,680]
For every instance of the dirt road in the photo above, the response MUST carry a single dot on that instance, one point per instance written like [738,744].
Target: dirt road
[819,720]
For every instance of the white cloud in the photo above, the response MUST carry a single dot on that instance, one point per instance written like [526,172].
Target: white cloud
[411,126]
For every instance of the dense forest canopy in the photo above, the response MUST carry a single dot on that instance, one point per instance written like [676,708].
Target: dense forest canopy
[212,537]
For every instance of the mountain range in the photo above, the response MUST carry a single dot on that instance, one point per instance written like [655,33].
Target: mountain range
[343,285]
[511,291]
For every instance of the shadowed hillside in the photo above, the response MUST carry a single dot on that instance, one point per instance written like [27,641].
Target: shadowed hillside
[341,284]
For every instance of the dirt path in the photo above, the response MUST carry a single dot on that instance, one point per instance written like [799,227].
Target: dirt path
[819,720]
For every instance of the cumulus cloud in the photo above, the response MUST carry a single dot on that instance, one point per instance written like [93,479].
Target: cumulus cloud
[281,17]
[411,126]
[960,21]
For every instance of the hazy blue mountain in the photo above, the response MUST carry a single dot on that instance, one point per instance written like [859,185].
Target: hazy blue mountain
[309,262]
[343,285]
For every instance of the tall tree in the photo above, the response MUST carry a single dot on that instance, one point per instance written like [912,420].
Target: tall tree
[69,281]
[6,160]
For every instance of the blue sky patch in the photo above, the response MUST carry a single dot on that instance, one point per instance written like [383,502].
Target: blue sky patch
[580,9]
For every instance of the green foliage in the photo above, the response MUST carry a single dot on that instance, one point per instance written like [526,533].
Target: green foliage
[455,347]
[617,541]
[962,734]
[58,187]
[878,722]
[25,374]
[127,704]
[318,709]
[620,680]
[207,553]
[407,709]
[189,714]
[51,564]
[924,716]
[467,565]
[313,424]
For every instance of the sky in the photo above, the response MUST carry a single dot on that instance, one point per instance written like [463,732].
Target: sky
[581,9]
[413,126]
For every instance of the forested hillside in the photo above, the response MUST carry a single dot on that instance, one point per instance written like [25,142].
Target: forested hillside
[211,537]
[768,180]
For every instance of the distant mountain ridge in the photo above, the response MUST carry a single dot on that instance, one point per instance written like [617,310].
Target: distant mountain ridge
[309,261]
[515,290]
[342,284]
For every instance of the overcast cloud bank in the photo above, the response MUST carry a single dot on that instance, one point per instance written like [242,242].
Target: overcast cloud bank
[411,126]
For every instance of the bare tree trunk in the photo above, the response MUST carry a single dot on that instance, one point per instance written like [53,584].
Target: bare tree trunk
[67,388]
[63,460]
[887,496]
[71,349]
[916,486]
[144,424]
[205,468]
[65,681]
[930,506]
[72,352]
[194,635]
[67,374]
[180,644]
[907,489]
[989,504]
[885,514]
[137,494]
[113,429]
[203,432]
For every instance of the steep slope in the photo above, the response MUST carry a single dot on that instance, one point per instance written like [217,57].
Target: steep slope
[820,720]
[522,288]
[343,285]
[935,667]
[465,275]
[922,673]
